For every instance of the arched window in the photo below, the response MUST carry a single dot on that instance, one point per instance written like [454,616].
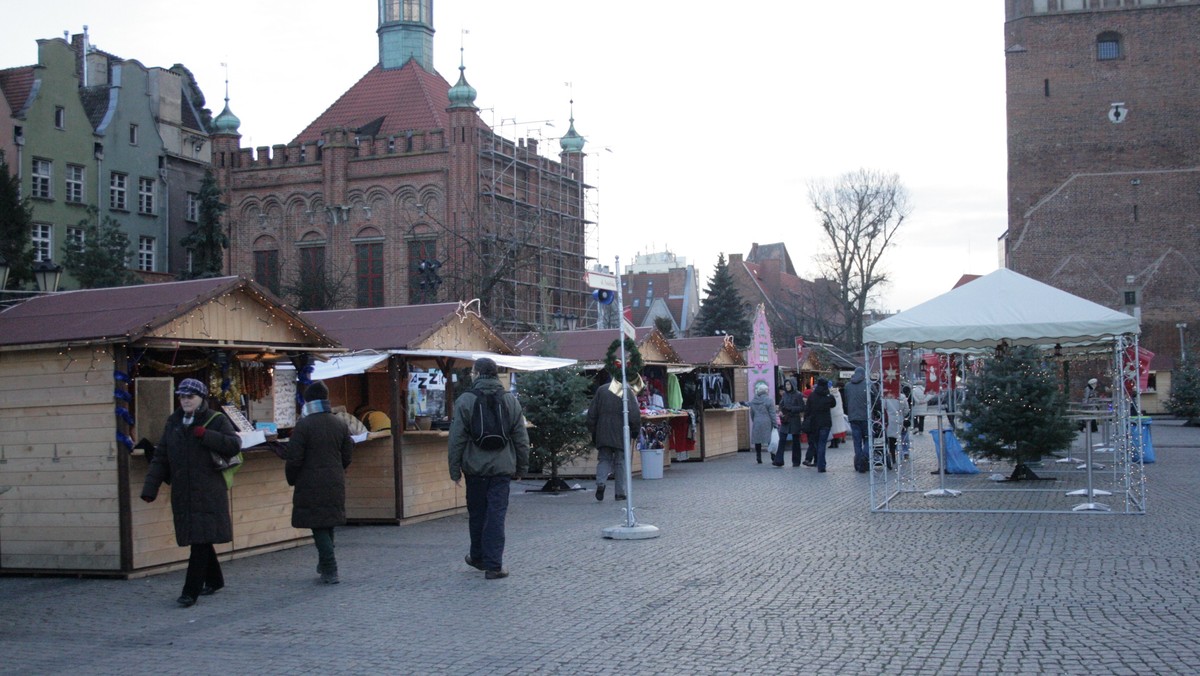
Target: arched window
[1108,46]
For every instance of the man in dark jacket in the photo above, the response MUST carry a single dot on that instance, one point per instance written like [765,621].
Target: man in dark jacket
[854,398]
[317,457]
[488,473]
[606,422]
[199,496]
[818,421]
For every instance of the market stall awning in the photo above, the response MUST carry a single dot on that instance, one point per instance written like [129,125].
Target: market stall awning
[347,365]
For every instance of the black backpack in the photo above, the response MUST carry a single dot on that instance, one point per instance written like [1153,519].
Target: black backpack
[489,427]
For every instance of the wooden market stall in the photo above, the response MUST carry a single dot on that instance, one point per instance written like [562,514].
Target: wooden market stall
[717,365]
[420,351]
[87,380]
[588,348]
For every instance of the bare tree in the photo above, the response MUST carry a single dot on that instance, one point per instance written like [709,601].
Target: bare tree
[860,214]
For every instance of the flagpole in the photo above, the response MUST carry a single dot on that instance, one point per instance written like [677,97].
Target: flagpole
[632,530]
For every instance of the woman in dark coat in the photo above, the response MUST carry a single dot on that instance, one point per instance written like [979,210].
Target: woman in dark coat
[818,421]
[317,457]
[791,408]
[199,496]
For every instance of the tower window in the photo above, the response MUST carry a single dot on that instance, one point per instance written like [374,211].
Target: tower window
[1108,46]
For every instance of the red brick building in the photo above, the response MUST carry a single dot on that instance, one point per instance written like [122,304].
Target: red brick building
[1104,154]
[794,306]
[399,193]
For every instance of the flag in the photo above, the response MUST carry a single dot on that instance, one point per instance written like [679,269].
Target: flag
[891,372]
[628,314]
[933,374]
[1139,366]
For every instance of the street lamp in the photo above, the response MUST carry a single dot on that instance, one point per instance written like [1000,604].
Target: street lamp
[1182,352]
[48,275]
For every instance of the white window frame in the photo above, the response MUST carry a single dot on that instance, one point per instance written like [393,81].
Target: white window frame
[76,180]
[60,117]
[75,234]
[146,195]
[118,186]
[41,179]
[192,214]
[42,235]
[146,253]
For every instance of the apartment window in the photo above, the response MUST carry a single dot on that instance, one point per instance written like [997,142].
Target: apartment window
[369,263]
[312,278]
[146,254]
[42,179]
[117,186]
[1108,46]
[43,241]
[60,117]
[193,208]
[266,270]
[74,236]
[133,134]
[75,176]
[145,196]
[420,250]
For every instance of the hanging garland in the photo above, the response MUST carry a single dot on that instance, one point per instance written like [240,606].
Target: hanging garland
[612,362]
[162,367]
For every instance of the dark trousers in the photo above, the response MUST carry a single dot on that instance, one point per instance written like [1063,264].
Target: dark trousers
[326,561]
[203,568]
[860,431]
[487,505]
[816,446]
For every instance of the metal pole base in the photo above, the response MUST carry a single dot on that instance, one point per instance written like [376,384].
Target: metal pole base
[641,531]
[1091,507]
[1094,492]
[943,493]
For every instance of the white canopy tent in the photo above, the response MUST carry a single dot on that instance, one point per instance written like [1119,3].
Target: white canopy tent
[1003,305]
[360,362]
[1007,307]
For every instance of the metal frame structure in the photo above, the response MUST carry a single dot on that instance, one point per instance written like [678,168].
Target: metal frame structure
[903,488]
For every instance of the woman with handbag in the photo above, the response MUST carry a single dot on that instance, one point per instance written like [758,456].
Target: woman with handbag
[762,419]
[184,459]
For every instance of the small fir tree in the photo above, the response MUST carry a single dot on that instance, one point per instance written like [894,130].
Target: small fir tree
[208,242]
[101,258]
[1185,392]
[723,310]
[555,403]
[664,326]
[16,237]
[1015,410]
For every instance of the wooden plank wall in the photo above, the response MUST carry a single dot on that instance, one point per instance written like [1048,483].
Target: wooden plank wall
[59,507]
[721,430]
[371,482]
[427,485]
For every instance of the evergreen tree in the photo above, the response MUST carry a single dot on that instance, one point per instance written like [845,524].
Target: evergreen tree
[555,402]
[16,237]
[1185,392]
[723,310]
[101,258]
[1015,410]
[664,326]
[208,242]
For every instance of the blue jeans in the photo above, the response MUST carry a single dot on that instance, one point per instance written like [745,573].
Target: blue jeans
[487,505]
[859,429]
[816,446]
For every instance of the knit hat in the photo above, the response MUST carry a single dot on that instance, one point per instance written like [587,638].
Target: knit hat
[485,367]
[316,390]
[192,386]
[1093,382]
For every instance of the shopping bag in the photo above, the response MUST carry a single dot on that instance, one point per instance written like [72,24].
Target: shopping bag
[773,446]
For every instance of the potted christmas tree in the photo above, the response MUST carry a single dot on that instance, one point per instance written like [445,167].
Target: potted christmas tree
[1016,410]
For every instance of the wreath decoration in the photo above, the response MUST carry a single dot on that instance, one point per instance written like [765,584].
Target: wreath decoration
[612,360]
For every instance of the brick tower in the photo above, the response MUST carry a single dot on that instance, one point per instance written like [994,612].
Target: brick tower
[1104,154]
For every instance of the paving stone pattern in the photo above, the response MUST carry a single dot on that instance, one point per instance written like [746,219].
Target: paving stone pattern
[757,570]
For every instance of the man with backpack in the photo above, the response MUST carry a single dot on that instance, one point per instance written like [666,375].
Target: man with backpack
[489,446]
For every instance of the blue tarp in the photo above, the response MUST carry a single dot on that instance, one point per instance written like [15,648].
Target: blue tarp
[957,461]
[1145,444]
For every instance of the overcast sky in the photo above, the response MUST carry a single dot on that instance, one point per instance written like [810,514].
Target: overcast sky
[706,122]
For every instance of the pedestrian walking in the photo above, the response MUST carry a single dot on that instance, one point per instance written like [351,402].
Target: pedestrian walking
[854,397]
[791,410]
[183,459]
[606,422]
[488,472]
[318,454]
[762,419]
[818,421]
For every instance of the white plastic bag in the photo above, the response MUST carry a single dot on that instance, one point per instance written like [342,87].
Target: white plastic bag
[773,446]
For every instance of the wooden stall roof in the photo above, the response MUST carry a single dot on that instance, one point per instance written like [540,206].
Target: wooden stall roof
[709,351]
[589,347]
[411,327]
[786,357]
[159,313]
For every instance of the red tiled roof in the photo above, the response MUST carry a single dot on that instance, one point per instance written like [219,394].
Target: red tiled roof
[592,345]
[704,350]
[16,83]
[394,328]
[965,279]
[114,315]
[406,99]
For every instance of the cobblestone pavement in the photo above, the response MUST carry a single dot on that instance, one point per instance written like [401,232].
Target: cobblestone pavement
[757,570]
